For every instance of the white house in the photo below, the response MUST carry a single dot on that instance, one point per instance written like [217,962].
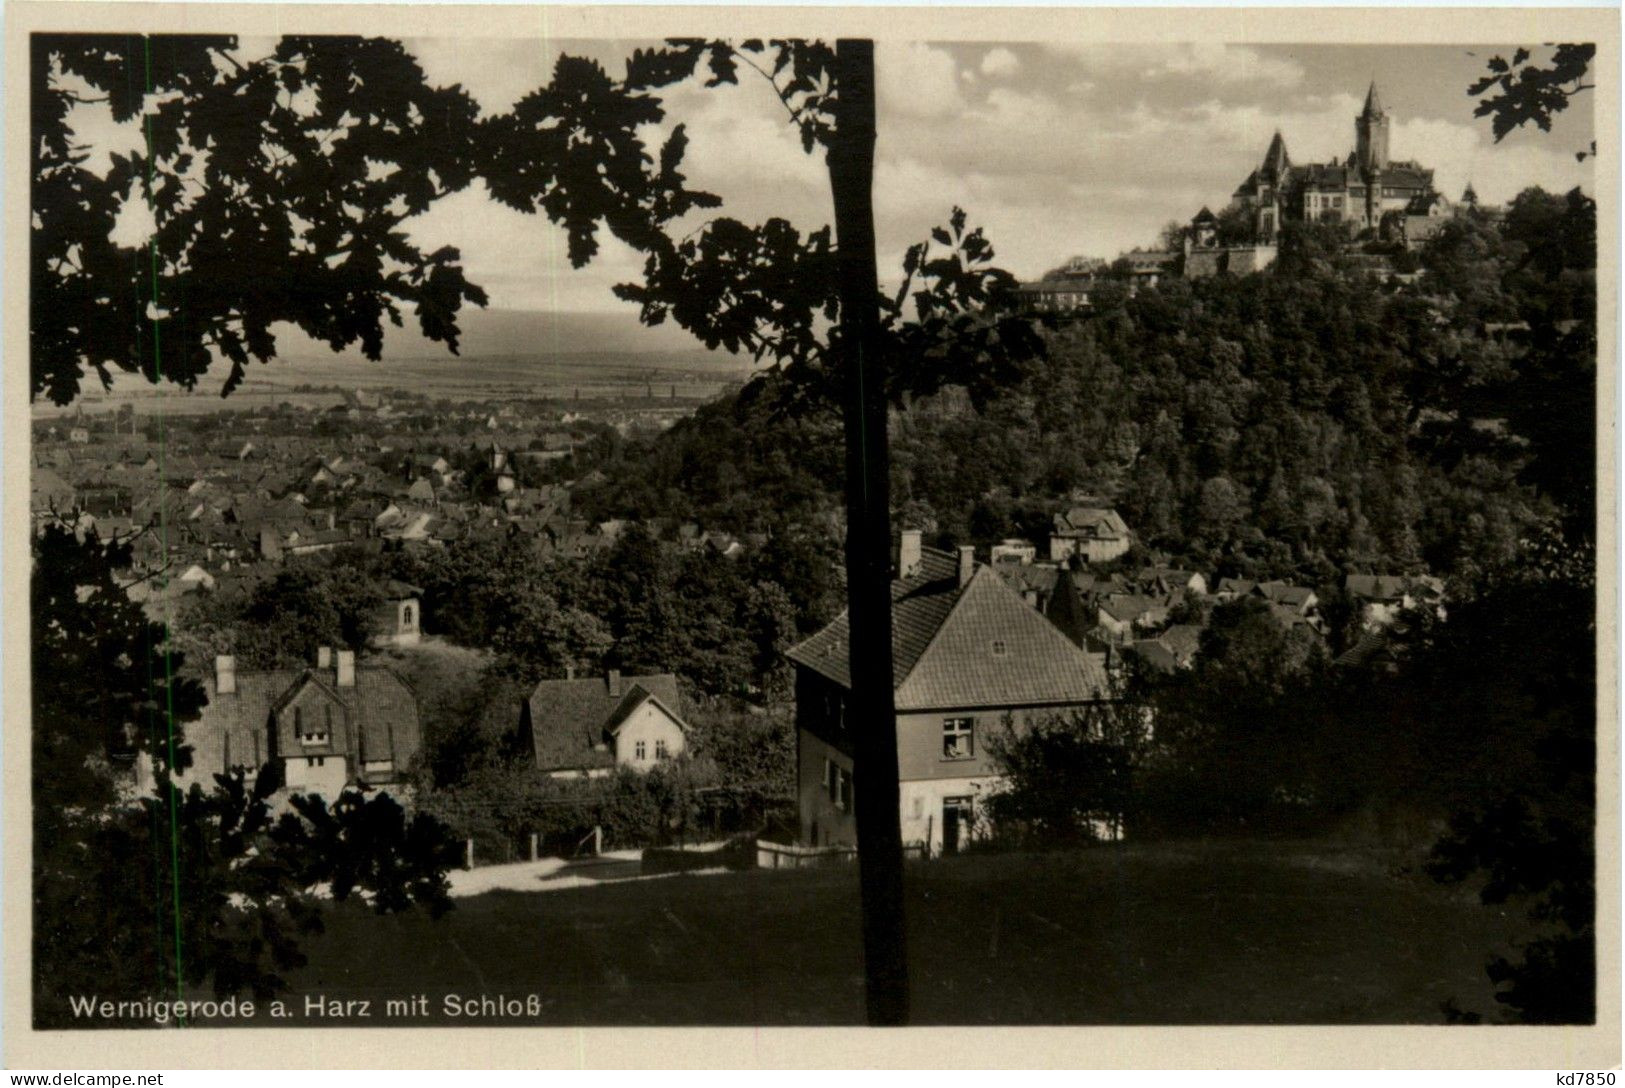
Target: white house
[587,727]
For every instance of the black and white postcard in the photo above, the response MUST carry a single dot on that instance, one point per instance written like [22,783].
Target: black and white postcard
[528,520]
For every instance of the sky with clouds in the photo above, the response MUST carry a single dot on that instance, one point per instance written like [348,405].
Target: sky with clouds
[1056,149]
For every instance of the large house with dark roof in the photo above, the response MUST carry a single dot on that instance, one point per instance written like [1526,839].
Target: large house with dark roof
[968,653]
[587,727]
[330,726]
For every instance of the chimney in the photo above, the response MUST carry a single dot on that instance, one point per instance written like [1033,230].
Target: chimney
[225,674]
[908,553]
[614,681]
[967,563]
[346,668]
[324,658]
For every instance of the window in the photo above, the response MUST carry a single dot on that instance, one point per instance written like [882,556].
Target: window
[660,750]
[838,784]
[956,738]
[640,751]
[999,648]
[315,735]
[406,616]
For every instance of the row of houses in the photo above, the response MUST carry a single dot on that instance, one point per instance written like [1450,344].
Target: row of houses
[974,653]
[341,722]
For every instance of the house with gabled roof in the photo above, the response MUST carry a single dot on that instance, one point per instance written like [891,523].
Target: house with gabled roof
[1382,598]
[1170,650]
[968,655]
[1092,533]
[48,492]
[329,726]
[588,726]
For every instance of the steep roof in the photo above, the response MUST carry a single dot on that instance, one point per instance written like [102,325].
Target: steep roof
[962,665]
[571,721]
[1276,160]
[1030,577]
[943,645]
[1375,586]
[1068,613]
[1126,607]
[1319,175]
[1091,521]
[919,604]
[1284,593]
[397,590]
[1182,640]
[1373,102]
[1406,175]
[235,728]
[1154,654]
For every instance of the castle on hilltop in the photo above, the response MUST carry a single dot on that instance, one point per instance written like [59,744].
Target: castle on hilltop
[1381,203]
[1359,191]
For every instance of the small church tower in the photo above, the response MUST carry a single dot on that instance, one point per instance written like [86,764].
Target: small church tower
[1371,152]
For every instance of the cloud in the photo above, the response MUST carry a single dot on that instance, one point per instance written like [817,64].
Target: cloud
[1233,64]
[1210,62]
[1050,174]
[1000,63]
[1055,152]
[498,72]
[916,80]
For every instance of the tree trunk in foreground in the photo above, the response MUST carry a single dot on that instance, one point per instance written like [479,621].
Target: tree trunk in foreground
[872,713]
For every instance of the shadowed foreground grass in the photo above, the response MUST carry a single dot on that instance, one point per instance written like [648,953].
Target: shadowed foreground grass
[1144,934]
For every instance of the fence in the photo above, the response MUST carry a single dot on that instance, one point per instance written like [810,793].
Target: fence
[778,855]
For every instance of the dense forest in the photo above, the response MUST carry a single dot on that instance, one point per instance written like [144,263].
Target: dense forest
[1299,423]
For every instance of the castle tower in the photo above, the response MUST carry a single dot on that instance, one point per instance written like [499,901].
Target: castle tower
[1371,133]
[1371,152]
[1273,176]
[1276,161]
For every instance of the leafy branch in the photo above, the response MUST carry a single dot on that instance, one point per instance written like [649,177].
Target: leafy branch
[1534,93]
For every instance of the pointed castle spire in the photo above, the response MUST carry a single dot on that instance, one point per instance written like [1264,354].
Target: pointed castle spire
[1373,101]
[1275,159]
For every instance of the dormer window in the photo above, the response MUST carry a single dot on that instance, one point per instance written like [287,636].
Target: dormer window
[317,734]
[999,648]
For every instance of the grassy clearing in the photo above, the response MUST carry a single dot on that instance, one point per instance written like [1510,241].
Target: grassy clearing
[1145,934]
